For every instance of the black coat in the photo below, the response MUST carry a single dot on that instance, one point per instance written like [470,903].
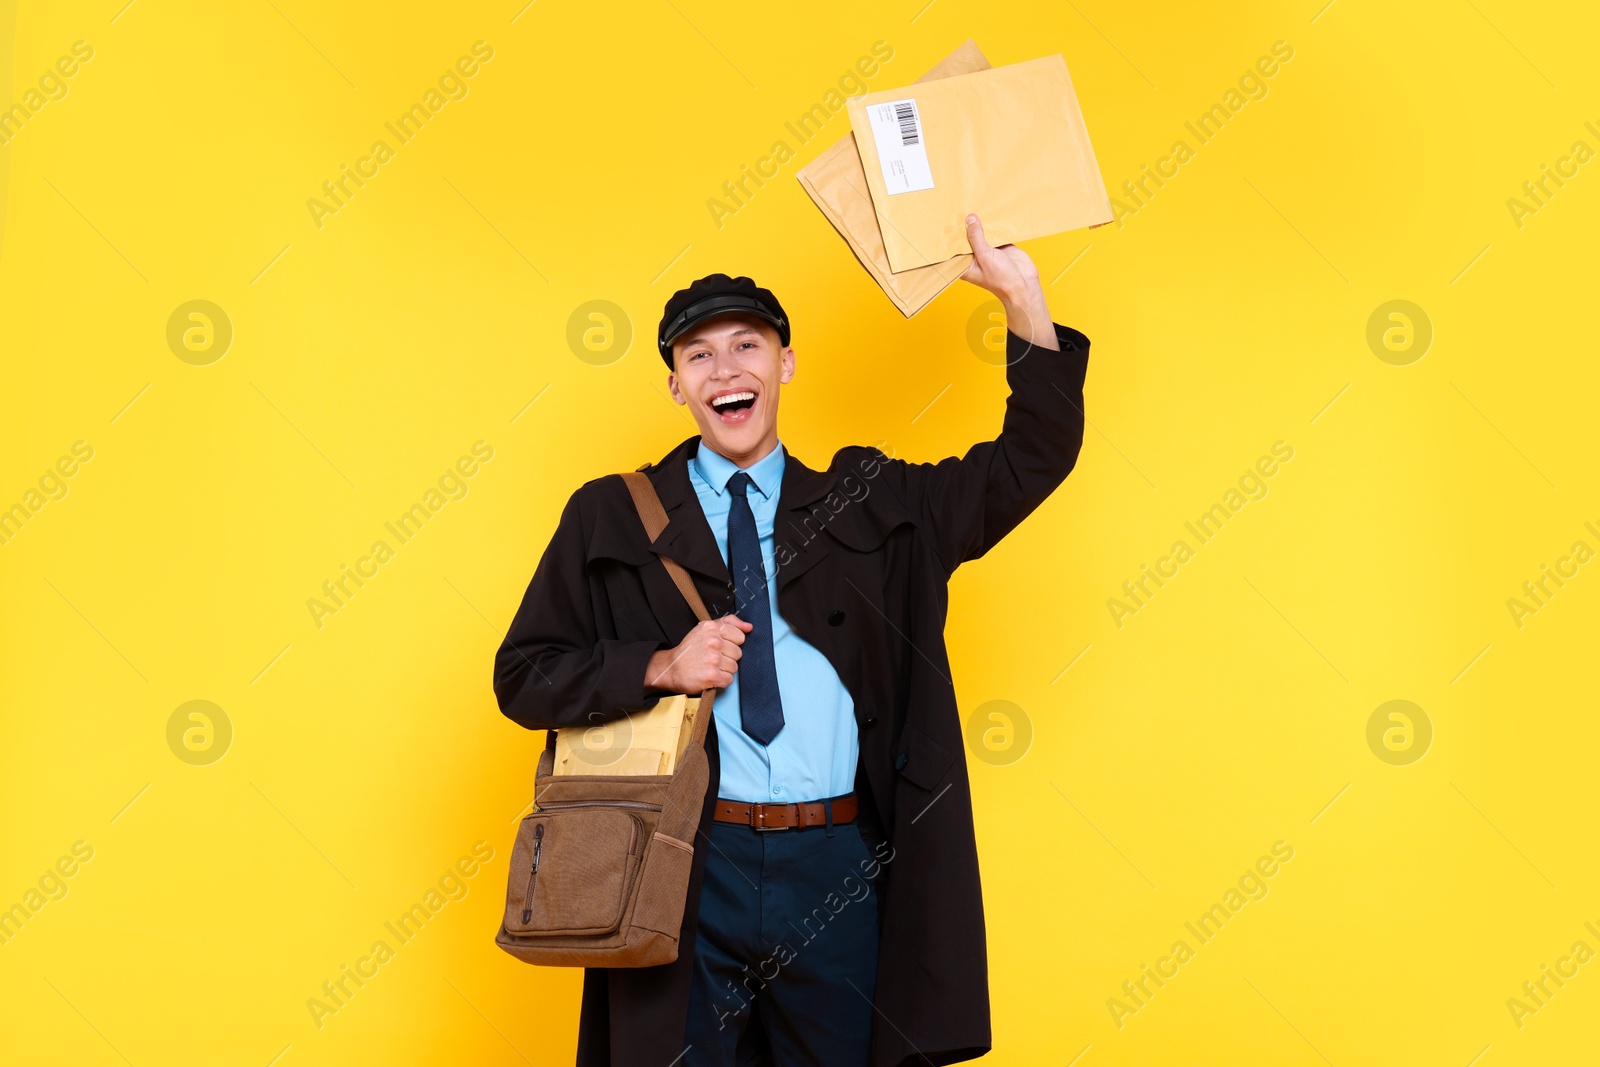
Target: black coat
[865,550]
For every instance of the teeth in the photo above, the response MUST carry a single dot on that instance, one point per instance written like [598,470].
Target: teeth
[730,398]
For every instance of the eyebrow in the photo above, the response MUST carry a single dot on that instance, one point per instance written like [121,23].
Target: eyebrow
[740,332]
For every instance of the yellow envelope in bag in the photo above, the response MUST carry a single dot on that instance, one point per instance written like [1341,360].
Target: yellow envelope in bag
[837,184]
[646,742]
[1008,144]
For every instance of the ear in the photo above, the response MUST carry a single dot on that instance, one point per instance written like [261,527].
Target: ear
[786,362]
[672,387]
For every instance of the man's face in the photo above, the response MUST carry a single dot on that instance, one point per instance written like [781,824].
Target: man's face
[727,371]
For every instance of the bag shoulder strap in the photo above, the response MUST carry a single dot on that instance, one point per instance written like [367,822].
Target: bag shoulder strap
[654,517]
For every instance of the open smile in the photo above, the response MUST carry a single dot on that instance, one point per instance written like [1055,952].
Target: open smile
[734,407]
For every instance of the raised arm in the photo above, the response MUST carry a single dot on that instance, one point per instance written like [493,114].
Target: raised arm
[971,502]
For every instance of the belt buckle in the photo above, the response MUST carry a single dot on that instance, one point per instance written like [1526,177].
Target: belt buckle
[760,812]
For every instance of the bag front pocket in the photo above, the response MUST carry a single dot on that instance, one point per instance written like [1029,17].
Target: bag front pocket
[572,869]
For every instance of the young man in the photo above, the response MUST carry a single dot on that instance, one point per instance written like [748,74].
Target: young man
[834,913]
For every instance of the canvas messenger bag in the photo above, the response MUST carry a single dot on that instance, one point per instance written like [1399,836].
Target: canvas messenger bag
[600,869]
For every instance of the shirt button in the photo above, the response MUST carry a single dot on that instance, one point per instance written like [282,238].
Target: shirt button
[835,618]
[776,791]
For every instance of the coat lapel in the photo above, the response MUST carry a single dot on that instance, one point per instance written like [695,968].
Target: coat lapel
[687,537]
[795,534]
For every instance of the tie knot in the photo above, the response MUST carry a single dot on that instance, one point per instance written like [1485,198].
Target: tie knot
[738,483]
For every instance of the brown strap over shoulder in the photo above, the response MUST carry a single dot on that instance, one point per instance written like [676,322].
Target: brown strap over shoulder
[654,517]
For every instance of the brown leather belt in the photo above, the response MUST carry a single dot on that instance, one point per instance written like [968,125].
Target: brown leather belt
[785,816]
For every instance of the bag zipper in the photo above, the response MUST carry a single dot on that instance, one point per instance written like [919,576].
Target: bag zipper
[597,804]
[538,847]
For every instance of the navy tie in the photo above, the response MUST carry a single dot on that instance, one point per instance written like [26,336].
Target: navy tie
[760,706]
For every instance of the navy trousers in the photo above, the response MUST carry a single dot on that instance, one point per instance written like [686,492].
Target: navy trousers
[786,953]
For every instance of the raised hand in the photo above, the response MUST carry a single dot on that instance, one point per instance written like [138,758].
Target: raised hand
[1009,274]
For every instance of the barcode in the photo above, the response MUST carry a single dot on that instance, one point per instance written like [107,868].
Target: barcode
[906,114]
[897,135]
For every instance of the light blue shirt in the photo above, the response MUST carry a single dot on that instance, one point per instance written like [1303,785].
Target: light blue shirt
[814,755]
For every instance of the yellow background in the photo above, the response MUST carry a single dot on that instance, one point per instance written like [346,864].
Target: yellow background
[1228,714]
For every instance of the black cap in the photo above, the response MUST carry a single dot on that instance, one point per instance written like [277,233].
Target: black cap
[717,294]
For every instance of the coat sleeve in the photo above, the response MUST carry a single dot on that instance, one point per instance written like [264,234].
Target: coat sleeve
[968,503]
[554,669]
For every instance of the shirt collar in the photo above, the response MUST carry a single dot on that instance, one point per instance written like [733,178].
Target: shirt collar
[715,469]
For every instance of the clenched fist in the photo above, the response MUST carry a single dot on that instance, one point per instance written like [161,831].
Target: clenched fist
[706,658]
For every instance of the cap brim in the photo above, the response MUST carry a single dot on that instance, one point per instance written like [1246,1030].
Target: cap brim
[715,308]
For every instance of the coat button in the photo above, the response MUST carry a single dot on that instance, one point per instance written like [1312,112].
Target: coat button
[870,721]
[900,762]
[835,618]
